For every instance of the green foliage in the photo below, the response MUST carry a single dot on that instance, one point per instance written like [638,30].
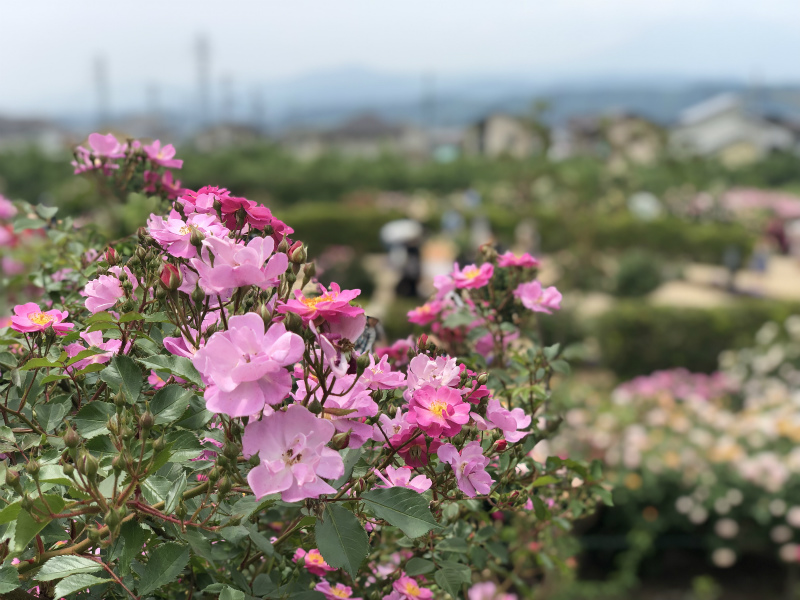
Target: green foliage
[402,508]
[639,274]
[341,539]
[637,338]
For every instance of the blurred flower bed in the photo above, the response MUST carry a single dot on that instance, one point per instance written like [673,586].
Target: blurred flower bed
[711,460]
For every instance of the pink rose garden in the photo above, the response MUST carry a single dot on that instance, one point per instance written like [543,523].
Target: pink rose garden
[188,413]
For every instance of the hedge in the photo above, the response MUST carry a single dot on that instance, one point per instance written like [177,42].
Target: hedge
[636,338]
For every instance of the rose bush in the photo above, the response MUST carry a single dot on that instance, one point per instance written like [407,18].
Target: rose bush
[186,412]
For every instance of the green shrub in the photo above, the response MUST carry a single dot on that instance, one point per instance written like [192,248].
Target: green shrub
[636,338]
[639,273]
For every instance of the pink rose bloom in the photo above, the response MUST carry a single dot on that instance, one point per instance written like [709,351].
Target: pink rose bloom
[422,315]
[332,334]
[155,380]
[438,411]
[469,467]
[538,299]
[388,427]
[106,145]
[314,562]
[236,265]
[415,454]
[444,284]
[336,592]
[102,293]
[395,595]
[438,372]
[472,277]
[348,396]
[408,589]
[103,149]
[163,156]
[244,366]
[397,353]
[379,376]
[7,210]
[29,318]
[401,477]
[508,421]
[294,457]
[175,235]
[93,339]
[509,259]
[256,215]
[487,591]
[180,346]
[331,305]
[12,266]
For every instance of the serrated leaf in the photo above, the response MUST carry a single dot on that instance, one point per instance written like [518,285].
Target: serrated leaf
[228,593]
[131,316]
[452,576]
[175,365]
[38,363]
[175,494]
[544,480]
[27,527]
[169,403]
[453,545]
[9,578]
[402,508]
[156,488]
[88,353]
[135,537]
[92,418]
[76,583]
[125,373]
[52,378]
[54,474]
[52,414]
[341,539]
[260,540]
[59,567]
[419,566]
[163,566]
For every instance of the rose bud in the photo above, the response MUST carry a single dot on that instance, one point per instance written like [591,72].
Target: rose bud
[111,257]
[171,277]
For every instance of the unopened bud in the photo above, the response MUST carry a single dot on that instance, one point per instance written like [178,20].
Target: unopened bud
[111,257]
[197,238]
[117,463]
[146,421]
[171,278]
[93,534]
[293,322]
[362,362]
[71,438]
[340,440]
[69,469]
[482,378]
[12,480]
[198,295]
[112,519]
[87,465]
[27,502]
[283,246]
[231,450]
[298,254]
[159,444]
[140,253]
[213,475]
[264,312]
[254,460]
[32,468]
[142,234]
[314,407]
[500,446]
[224,486]
[119,400]
[422,342]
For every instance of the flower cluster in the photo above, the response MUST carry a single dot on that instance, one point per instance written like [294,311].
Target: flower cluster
[193,391]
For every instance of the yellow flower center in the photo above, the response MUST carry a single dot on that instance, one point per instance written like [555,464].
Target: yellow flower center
[412,589]
[437,406]
[340,591]
[185,230]
[314,558]
[312,302]
[39,318]
[471,273]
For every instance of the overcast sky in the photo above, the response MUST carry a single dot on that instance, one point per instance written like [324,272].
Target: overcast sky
[47,47]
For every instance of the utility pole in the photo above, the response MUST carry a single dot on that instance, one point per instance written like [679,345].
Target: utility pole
[203,58]
[101,89]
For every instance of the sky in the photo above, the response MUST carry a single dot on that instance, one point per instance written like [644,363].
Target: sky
[48,47]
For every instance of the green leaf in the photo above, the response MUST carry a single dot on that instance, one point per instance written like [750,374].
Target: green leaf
[52,414]
[59,567]
[54,474]
[183,446]
[26,223]
[402,508]
[128,374]
[131,316]
[91,368]
[604,495]
[542,512]
[341,539]
[164,565]
[8,360]
[260,540]
[169,403]
[158,317]
[544,480]
[88,353]
[419,566]
[38,363]
[101,316]
[351,457]
[453,545]
[27,527]
[228,593]
[92,418]
[175,494]
[52,378]
[10,512]
[175,365]
[135,537]
[156,488]
[9,579]
[76,583]
[46,212]
[452,576]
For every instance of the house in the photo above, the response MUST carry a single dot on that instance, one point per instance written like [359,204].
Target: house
[502,135]
[364,136]
[620,139]
[736,128]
